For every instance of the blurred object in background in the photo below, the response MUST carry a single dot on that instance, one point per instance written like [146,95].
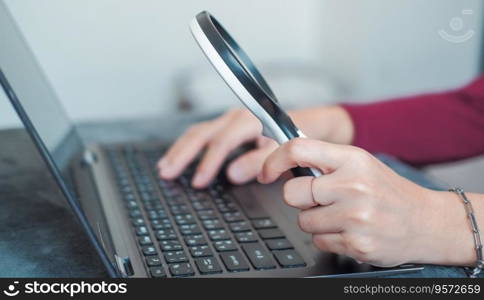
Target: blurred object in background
[296,85]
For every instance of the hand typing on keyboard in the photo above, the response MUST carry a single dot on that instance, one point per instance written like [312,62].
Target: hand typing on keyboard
[182,231]
[220,136]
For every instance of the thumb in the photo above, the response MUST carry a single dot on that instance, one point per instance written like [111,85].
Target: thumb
[304,153]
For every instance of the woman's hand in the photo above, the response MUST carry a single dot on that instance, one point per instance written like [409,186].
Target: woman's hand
[362,209]
[220,136]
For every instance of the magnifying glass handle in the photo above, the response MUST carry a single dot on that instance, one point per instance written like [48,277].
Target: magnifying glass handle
[299,172]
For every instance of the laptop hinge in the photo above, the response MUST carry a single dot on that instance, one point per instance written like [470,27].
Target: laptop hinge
[89,158]
[124,265]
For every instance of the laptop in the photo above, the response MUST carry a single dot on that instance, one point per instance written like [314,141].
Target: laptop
[142,226]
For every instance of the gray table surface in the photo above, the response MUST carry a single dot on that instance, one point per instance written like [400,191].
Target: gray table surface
[39,236]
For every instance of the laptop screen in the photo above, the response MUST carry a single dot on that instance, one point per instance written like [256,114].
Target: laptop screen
[24,81]
[33,90]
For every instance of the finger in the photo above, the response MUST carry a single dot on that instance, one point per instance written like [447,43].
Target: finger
[247,166]
[322,219]
[298,192]
[211,162]
[263,141]
[185,149]
[331,242]
[217,151]
[303,153]
[305,192]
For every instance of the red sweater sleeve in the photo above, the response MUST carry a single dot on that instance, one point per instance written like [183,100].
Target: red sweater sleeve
[424,129]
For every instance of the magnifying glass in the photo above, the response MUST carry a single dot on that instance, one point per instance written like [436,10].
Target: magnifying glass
[242,76]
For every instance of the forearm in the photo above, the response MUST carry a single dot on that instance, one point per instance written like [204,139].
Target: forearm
[424,129]
[328,123]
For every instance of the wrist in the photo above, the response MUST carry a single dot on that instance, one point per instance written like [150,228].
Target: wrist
[329,123]
[446,234]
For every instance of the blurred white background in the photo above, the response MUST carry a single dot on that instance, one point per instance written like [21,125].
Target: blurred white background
[111,59]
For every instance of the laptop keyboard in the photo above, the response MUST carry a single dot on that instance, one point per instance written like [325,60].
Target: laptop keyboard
[185,232]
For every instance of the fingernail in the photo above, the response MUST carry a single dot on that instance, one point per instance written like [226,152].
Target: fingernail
[197,181]
[162,163]
[165,171]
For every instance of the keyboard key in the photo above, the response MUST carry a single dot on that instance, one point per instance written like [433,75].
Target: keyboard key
[279,244]
[135,213]
[213,224]
[170,246]
[126,189]
[219,234]
[129,197]
[227,207]
[273,233]
[218,200]
[195,240]
[239,226]
[146,197]
[234,261]
[263,223]
[289,259]
[233,217]
[227,245]
[153,260]
[132,204]
[175,256]
[246,237]
[166,234]
[181,269]
[155,214]
[189,229]
[201,205]
[185,219]
[179,209]
[141,230]
[145,240]
[148,250]
[208,265]
[146,188]
[161,224]
[157,272]
[208,214]
[152,205]
[158,226]
[175,201]
[195,195]
[171,192]
[258,256]
[200,251]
